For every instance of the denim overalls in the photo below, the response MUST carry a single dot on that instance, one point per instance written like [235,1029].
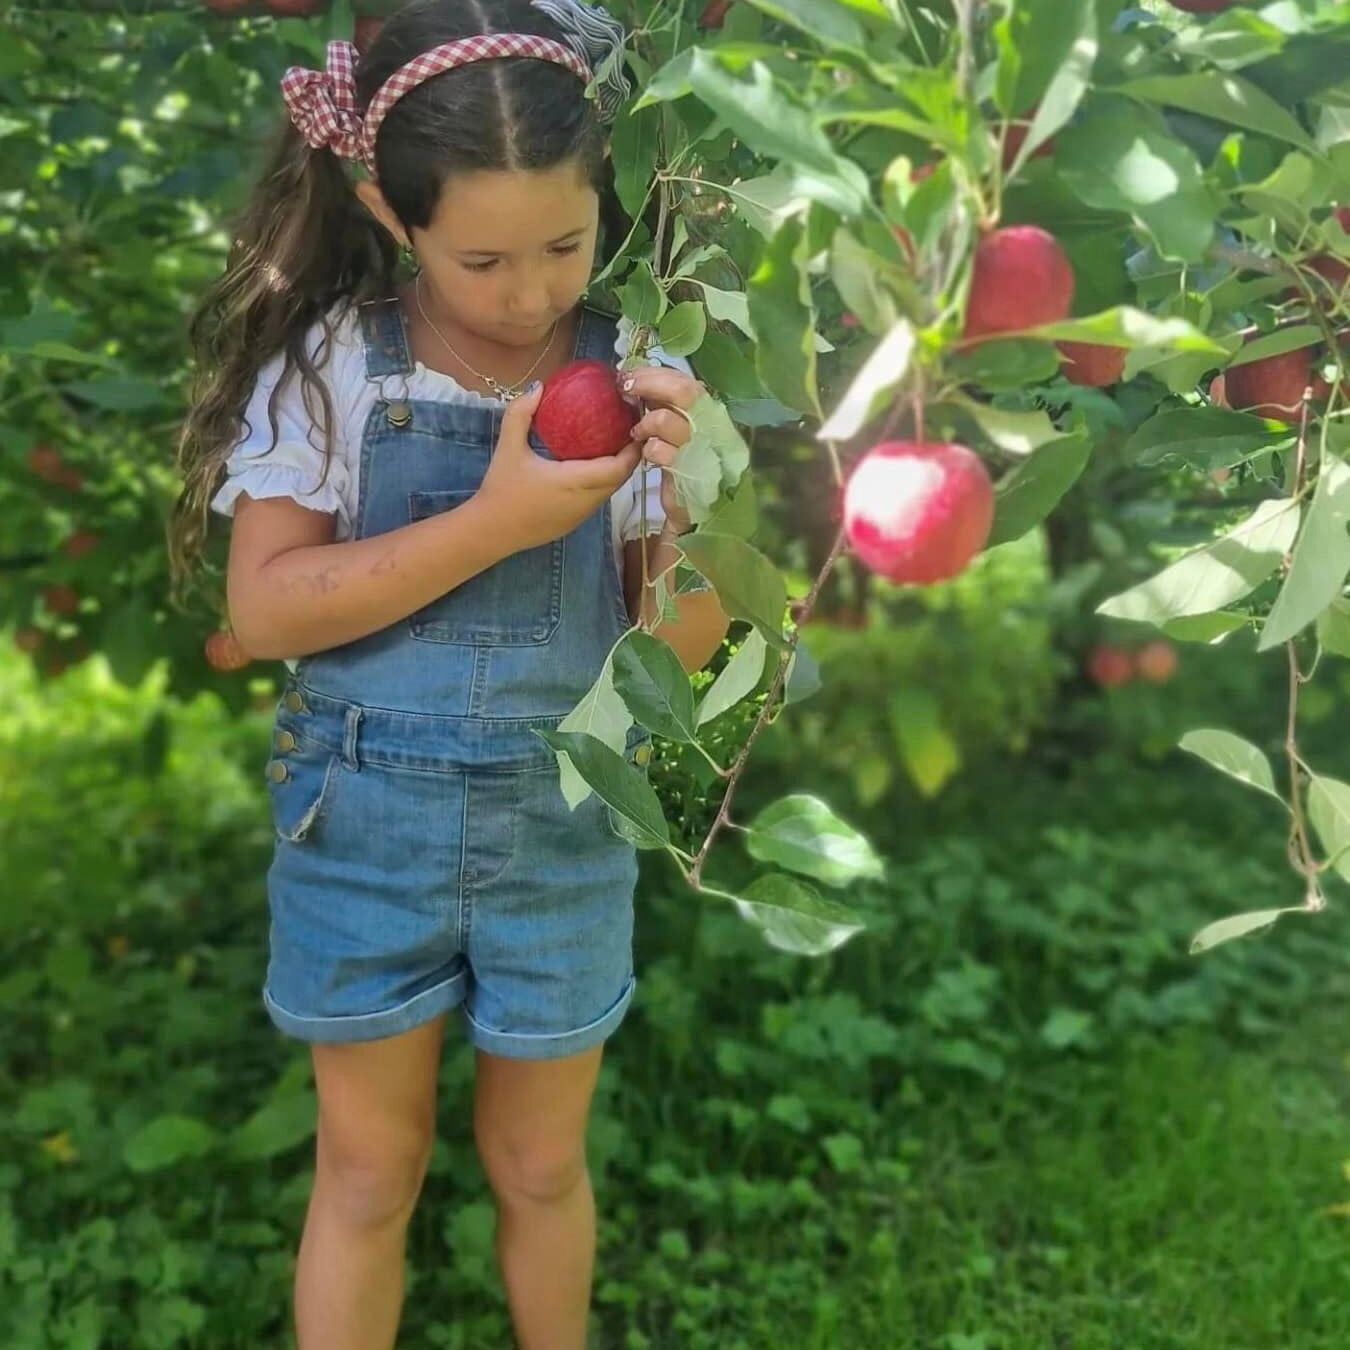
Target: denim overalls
[425,857]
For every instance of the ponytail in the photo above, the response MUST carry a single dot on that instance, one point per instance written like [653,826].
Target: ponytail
[304,244]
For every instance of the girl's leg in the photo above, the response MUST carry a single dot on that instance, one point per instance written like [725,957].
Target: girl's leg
[530,1126]
[377,1114]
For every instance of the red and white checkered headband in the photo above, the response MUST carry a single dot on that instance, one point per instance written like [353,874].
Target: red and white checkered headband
[322,104]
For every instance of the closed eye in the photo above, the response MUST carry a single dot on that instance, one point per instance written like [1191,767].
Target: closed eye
[489,265]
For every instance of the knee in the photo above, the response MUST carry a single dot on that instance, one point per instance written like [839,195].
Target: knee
[535,1172]
[372,1182]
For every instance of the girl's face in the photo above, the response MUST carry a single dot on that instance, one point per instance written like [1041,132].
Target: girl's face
[508,252]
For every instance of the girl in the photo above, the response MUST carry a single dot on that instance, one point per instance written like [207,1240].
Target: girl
[440,588]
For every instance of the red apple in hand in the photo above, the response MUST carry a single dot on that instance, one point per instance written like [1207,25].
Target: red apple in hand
[1109,666]
[1021,278]
[1272,387]
[1156,661]
[1091,364]
[581,414]
[223,651]
[917,512]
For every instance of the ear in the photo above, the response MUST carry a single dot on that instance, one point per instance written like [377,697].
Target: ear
[369,194]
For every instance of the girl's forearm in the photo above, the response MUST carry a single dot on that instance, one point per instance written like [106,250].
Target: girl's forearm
[697,632]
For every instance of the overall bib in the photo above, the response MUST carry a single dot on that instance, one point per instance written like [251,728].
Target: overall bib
[425,857]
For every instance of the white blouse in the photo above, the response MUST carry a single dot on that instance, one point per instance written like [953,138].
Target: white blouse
[293,467]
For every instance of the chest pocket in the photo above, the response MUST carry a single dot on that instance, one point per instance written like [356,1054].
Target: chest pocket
[515,602]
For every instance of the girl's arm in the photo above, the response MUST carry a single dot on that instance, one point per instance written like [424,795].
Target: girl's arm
[292,591]
[698,632]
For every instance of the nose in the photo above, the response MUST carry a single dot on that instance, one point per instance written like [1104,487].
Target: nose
[530,300]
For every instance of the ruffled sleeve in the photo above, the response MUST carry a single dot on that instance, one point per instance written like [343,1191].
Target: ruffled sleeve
[294,466]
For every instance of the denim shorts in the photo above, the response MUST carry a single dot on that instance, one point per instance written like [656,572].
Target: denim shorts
[424,863]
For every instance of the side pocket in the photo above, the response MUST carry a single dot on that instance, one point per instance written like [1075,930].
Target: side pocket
[300,786]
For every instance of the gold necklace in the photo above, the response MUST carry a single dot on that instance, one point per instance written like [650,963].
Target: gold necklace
[506,392]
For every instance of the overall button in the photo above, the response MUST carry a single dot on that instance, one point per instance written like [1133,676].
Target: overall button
[293,701]
[642,754]
[277,771]
[285,742]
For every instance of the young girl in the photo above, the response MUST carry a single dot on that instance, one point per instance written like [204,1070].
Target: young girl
[440,588]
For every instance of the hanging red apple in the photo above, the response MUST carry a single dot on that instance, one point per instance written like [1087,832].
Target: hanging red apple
[916,512]
[1156,661]
[582,414]
[1271,387]
[1016,135]
[78,544]
[61,600]
[1021,278]
[223,651]
[1091,363]
[1109,666]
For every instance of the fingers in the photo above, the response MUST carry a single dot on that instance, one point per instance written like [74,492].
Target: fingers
[659,453]
[608,472]
[661,384]
[516,419]
[662,424]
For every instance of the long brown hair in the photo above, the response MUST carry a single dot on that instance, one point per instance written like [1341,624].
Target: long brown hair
[306,248]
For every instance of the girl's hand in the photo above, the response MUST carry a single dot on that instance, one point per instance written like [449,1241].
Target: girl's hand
[663,429]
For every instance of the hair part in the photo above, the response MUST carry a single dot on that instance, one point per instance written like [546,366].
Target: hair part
[306,248]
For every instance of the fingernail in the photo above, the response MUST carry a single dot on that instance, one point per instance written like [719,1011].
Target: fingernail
[626,384]
[533,385]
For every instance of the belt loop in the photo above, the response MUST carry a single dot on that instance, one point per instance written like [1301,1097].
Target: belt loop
[351,722]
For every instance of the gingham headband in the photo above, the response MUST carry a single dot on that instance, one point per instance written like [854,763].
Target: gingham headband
[322,104]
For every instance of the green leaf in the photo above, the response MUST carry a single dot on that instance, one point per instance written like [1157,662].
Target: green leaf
[602,714]
[1214,576]
[698,477]
[1226,98]
[712,422]
[1024,497]
[1232,755]
[878,378]
[1238,925]
[748,585]
[1206,437]
[1125,326]
[856,272]
[1291,339]
[803,834]
[276,1127]
[1329,811]
[641,297]
[769,121]
[1209,628]
[793,915]
[1321,559]
[1006,364]
[1117,160]
[683,329]
[726,306]
[738,677]
[167,1140]
[654,685]
[118,393]
[803,676]
[617,783]
[784,320]
[825,20]
[928,752]
[1231,40]
[1019,433]
[1333,628]
[635,146]
[736,512]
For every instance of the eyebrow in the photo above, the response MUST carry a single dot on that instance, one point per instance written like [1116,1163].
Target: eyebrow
[487,253]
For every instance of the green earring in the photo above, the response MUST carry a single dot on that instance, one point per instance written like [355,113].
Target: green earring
[406,253]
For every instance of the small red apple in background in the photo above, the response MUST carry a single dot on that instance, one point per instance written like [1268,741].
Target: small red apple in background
[1156,661]
[1016,134]
[1203,6]
[1272,387]
[917,512]
[714,13]
[365,30]
[46,461]
[847,320]
[223,651]
[1220,475]
[1091,364]
[582,414]
[1109,666]
[28,639]
[1021,278]
[79,543]
[61,599]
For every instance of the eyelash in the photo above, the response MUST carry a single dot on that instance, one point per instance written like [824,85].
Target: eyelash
[483,267]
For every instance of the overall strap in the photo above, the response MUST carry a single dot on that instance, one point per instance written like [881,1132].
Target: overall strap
[385,338]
